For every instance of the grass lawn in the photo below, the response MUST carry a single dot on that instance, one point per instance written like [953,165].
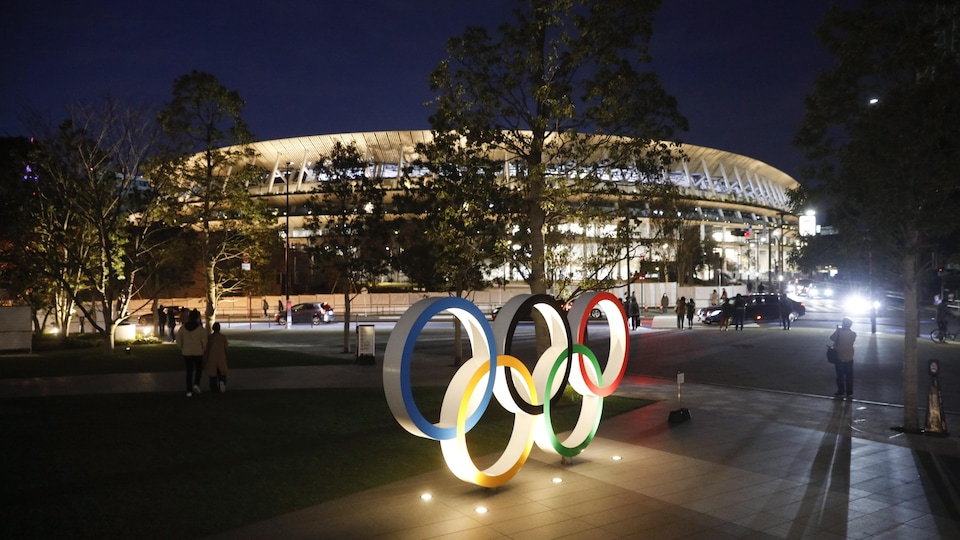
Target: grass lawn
[143,358]
[161,466]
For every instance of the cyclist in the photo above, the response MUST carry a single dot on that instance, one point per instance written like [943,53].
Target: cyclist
[943,316]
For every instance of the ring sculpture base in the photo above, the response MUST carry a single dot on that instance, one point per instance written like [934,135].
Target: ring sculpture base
[679,416]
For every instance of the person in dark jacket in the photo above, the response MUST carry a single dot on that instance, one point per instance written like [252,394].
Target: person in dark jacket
[681,309]
[172,323]
[691,309]
[162,321]
[843,338]
[739,311]
[726,313]
[634,312]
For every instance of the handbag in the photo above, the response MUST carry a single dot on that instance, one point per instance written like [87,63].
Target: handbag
[831,354]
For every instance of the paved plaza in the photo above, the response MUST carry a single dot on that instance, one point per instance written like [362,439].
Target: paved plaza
[749,464]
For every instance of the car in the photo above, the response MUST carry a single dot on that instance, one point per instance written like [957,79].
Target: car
[759,307]
[308,312]
[810,288]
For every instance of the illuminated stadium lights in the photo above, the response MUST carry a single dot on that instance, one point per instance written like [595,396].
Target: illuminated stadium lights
[724,190]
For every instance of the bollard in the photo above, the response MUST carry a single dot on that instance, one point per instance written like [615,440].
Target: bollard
[680,415]
[936,422]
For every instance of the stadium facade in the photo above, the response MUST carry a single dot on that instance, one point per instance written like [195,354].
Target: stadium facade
[740,202]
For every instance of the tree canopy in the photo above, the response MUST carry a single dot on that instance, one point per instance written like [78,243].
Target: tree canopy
[203,117]
[881,134]
[560,94]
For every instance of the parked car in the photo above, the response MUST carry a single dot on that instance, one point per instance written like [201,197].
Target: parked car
[760,308]
[308,312]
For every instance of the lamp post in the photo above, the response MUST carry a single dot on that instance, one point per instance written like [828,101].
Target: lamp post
[626,222]
[286,252]
[780,248]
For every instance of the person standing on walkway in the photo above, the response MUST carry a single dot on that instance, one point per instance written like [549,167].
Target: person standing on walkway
[691,309]
[162,318]
[714,298]
[192,341]
[634,312]
[739,311]
[215,358]
[681,310]
[786,309]
[266,308]
[843,338]
[664,303]
[723,294]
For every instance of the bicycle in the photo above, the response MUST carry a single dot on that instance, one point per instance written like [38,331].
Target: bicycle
[942,335]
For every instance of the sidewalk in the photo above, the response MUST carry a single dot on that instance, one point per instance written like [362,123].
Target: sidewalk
[749,464]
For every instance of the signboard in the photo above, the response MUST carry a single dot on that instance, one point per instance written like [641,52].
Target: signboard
[808,225]
[366,344]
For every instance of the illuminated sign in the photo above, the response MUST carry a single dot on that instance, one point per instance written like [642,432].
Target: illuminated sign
[808,225]
[492,372]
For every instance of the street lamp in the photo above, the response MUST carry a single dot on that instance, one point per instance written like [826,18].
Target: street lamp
[286,253]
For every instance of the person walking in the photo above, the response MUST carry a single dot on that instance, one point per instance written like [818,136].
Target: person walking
[681,310]
[843,338]
[691,309]
[172,323]
[664,303]
[215,359]
[723,294]
[739,311]
[726,312]
[192,341]
[714,298]
[634,312]
[786,309]
[266,308]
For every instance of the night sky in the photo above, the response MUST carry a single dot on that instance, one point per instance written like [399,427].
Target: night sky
[739,69]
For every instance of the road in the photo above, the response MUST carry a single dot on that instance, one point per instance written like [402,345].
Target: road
[760,357]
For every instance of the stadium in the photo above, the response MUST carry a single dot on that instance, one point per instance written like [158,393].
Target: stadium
[741,203]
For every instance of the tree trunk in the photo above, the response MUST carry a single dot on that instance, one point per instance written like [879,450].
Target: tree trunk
[210,313]
[346,320]
[911,329]
[109,337]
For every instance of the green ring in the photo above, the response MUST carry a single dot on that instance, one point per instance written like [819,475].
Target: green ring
[554,441]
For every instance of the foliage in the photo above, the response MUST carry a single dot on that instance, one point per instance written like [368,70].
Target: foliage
[549,95]
[205,168]
[351,236]
[18,196]
[93,219]
[881,132]
[459,229]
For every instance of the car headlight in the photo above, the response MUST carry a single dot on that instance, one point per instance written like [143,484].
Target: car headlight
[858,304]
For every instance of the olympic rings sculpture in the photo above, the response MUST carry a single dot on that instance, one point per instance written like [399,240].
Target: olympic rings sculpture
[492,372]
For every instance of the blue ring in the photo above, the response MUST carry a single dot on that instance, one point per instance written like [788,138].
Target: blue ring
[440,305]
